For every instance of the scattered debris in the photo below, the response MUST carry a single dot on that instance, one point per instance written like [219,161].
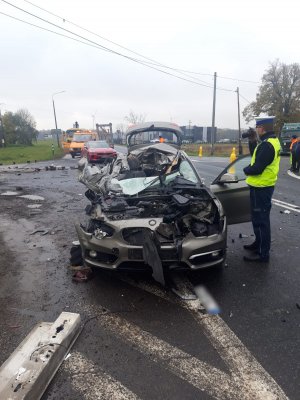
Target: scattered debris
[83,275]
[298,306]
[31,367]
[230,314]
[242,235]
[42,231]
[286,212]
[232,240]
[19,188]
[182,287]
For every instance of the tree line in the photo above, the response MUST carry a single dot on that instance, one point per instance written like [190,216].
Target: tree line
[17,128]
[278,95]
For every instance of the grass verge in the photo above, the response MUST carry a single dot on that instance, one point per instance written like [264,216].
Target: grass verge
[39,151]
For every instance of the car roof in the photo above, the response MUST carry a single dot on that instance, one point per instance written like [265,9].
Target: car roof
[153,126]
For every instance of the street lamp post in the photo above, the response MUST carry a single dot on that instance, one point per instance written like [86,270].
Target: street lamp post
[63,91]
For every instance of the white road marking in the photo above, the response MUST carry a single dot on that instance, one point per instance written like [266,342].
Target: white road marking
[92,382]
[293,175]
[288,206]
[198,373]
[247,376]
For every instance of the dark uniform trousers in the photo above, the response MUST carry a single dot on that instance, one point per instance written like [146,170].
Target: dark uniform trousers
[261,203]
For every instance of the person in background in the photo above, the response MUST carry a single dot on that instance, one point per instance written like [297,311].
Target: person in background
[294,157]
[295,154]
[261,177]
[161,139]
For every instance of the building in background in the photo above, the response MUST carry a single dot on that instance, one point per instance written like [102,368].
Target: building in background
[203,134]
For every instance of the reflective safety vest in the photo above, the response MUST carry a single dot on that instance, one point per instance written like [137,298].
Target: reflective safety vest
[269,175]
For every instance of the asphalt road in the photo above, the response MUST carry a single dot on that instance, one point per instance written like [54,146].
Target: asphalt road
[139,341]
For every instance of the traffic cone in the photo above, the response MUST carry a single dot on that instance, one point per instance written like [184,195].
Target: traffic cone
[232,158]
[200,151]
[232,155]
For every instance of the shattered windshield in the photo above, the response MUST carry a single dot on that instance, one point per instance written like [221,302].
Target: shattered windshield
[133,186]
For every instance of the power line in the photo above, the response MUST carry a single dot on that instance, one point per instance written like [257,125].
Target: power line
[99,46]
[134,52]
[192,79]
[152,61]
[245,98]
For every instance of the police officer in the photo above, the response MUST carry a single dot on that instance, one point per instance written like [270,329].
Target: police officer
[261,178]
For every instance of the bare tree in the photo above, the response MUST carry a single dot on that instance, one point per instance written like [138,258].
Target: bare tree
[133,118]
[279,94]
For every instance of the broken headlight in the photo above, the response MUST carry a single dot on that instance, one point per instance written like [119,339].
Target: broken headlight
[99,229]
[100,234]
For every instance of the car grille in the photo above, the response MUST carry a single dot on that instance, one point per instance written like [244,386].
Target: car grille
[135,254]
[134,236]
[165,254]
[168,254]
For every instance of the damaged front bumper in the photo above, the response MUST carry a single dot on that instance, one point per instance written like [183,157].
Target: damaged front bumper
[116,251]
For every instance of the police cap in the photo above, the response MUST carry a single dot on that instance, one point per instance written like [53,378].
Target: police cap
[265,121]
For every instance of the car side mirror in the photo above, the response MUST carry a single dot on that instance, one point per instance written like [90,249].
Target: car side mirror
[228,178]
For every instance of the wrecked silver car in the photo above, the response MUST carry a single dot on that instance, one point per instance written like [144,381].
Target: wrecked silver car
[150,209]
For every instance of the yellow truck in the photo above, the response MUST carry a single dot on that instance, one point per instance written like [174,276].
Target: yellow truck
[74,137]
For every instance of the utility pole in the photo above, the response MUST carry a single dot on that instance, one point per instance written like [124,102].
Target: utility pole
[63,91]
[239,121]
[213,116]
[2,142]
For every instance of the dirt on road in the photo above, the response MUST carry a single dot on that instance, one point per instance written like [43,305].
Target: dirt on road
[37,214]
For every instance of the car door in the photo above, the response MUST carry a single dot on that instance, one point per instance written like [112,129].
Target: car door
[231,189]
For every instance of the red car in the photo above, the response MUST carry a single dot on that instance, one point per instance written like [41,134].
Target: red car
[98,151]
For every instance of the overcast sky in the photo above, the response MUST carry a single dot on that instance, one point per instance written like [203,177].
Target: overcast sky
[235,38]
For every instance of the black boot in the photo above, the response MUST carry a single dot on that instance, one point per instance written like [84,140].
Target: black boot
[256,258]
[252,247]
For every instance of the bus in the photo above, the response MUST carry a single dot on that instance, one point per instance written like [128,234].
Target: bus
[288,130]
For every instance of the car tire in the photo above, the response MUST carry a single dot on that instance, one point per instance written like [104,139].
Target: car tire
[76,256]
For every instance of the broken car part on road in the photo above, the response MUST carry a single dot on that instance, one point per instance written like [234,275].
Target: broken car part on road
[26,374]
